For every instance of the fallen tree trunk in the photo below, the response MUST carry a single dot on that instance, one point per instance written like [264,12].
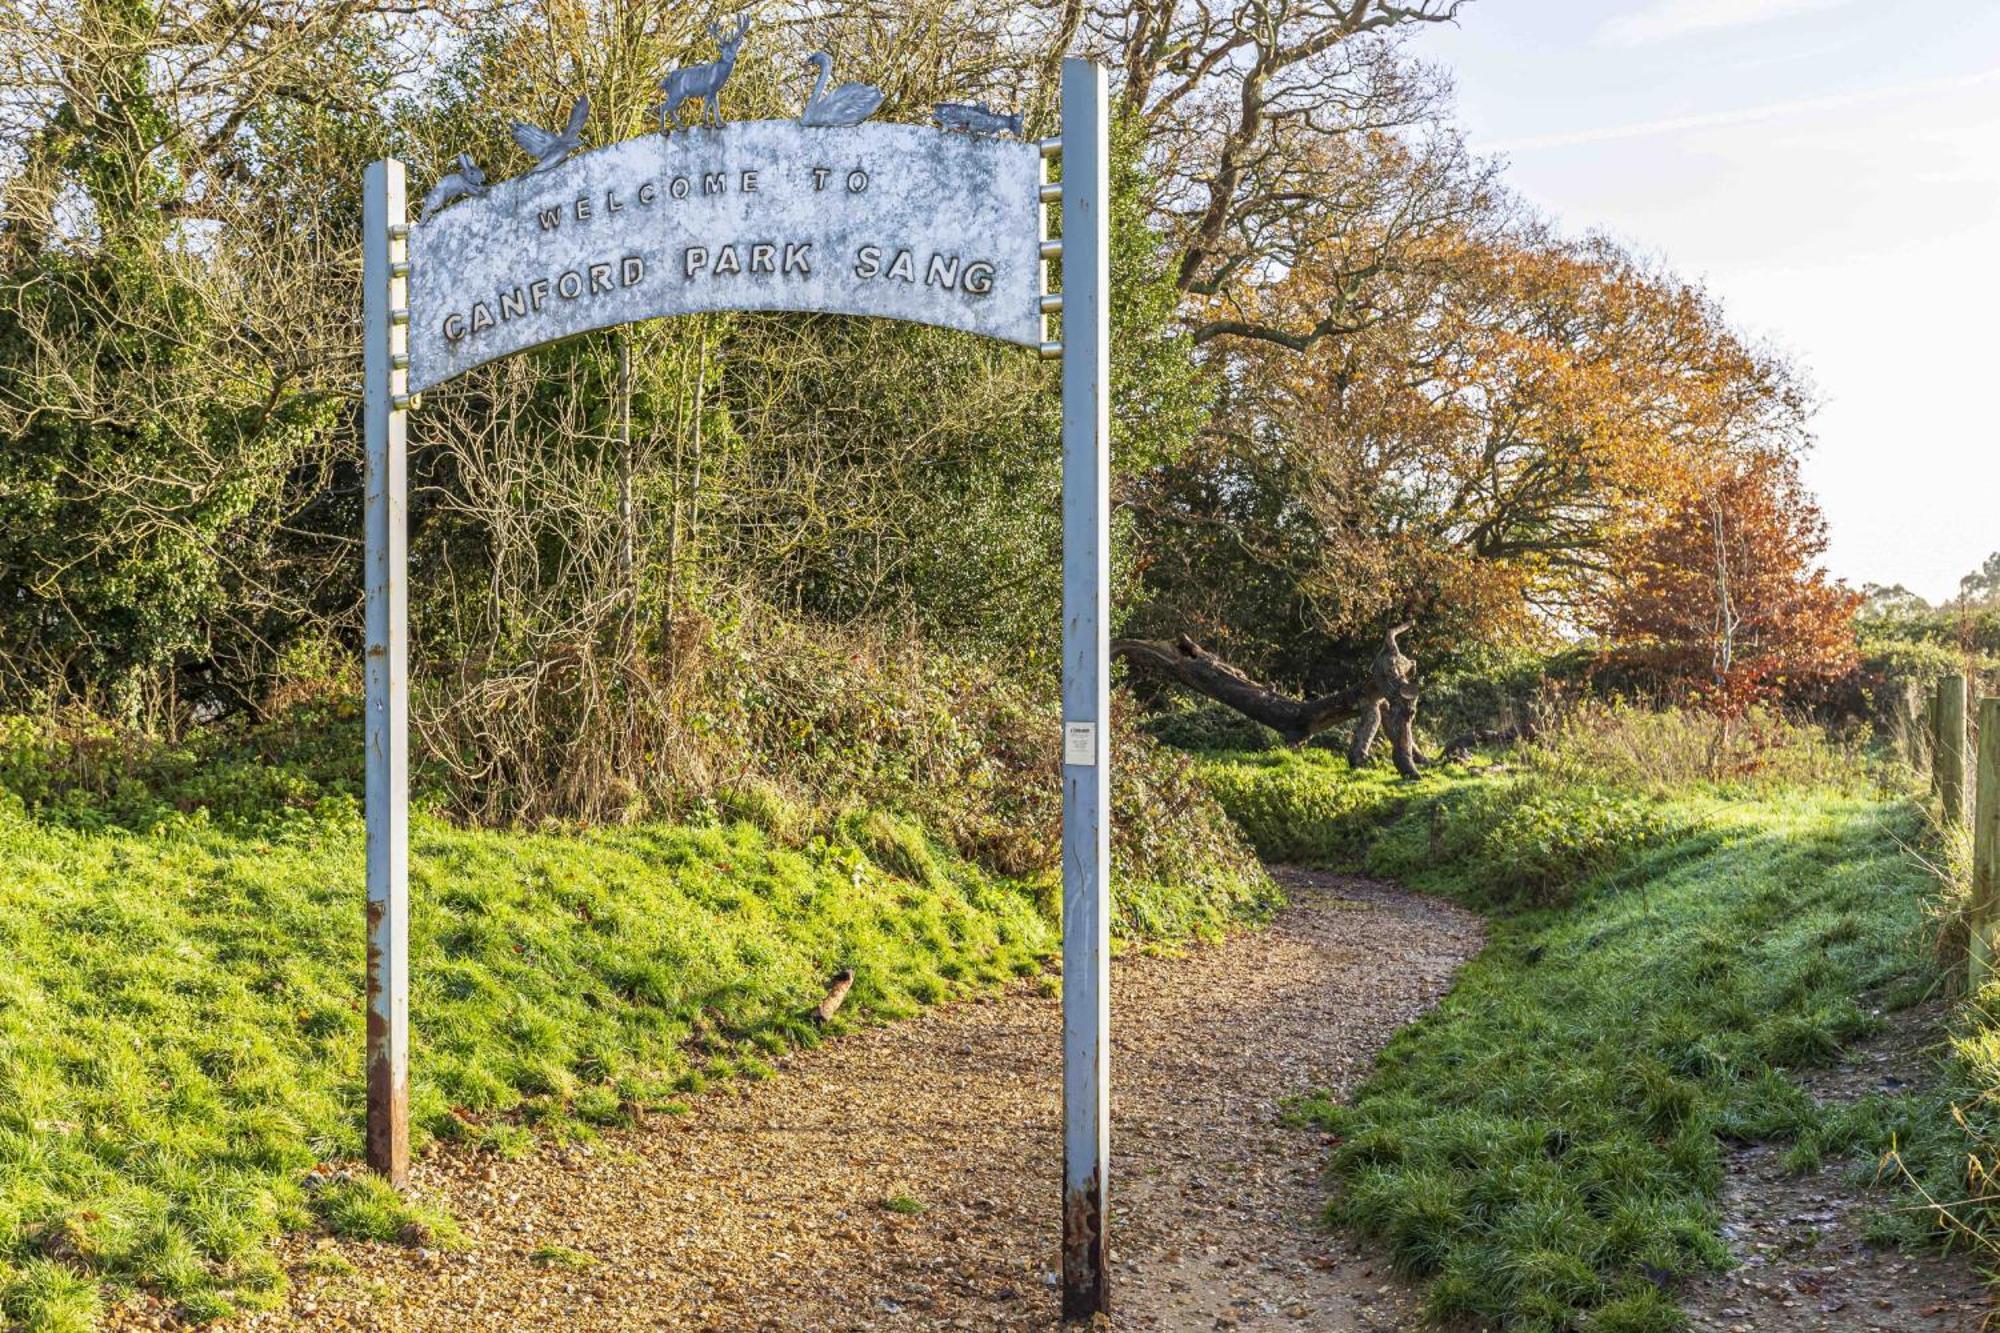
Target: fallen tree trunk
[1185,661]
[1388,698]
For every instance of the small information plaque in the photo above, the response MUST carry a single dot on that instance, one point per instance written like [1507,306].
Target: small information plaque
[1079,742]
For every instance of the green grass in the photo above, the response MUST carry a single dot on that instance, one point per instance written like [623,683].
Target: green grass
[1489,838]
[551,1255]
[1545,1149]
[181,1017]
[1304,807]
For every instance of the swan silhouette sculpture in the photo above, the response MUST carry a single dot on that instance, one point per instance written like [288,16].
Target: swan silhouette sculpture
[849,104]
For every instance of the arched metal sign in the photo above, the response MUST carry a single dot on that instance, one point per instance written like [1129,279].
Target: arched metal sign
[893,220]
[936,226]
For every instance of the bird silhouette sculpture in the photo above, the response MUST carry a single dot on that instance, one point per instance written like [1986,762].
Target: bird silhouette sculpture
[466,182]
[976,118]
[849,104]
[548,148]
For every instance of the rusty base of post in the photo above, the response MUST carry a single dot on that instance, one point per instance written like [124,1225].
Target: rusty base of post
[388,1127]
[1086,1283]
[388,1095]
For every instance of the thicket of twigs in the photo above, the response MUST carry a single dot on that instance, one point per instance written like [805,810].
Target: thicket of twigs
[1356,383]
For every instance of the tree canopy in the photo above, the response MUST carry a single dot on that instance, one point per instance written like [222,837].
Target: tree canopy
[1357,381]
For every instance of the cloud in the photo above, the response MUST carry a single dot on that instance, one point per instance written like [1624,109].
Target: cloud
[1664,20]
[1749,115]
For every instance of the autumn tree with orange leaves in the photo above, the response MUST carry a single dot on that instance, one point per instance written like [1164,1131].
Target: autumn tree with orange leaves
[1520,410]
[1724,595]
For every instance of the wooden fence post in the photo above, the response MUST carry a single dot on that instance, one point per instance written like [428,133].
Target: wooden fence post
[1985,849]
[1931,735]
[1948,748]
[1912,716]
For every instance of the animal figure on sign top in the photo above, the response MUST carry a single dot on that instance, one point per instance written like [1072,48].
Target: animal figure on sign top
[703,82]
[849,104]
[968,118]
[547,147]
[468,182]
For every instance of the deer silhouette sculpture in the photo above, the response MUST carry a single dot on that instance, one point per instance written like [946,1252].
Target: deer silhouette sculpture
[703,82]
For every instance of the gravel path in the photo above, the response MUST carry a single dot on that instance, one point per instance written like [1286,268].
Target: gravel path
[767,1207]
[1801,1240]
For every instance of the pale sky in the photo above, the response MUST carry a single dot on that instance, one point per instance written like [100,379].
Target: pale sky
[1830,169]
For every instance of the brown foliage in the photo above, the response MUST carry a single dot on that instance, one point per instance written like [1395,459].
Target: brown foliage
[1474,453]
[1725,591]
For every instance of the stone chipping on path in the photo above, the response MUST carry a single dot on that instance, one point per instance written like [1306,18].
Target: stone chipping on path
[1804,1264]
[766,1207]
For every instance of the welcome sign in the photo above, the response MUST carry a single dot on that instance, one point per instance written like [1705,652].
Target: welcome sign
[900,221]
[830,213]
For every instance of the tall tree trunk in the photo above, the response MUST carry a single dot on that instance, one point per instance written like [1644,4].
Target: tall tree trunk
[1396,677]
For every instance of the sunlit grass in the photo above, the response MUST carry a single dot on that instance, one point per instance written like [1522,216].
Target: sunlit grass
[1544,1151]
[181,1016]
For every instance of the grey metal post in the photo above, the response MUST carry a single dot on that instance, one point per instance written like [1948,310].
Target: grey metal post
[384,311]
[1086,433]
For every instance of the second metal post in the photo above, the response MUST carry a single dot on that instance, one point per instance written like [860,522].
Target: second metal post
[383,300]
[1086,646]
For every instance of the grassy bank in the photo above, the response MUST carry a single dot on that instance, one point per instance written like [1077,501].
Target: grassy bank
[181,1009]
[1545,1149]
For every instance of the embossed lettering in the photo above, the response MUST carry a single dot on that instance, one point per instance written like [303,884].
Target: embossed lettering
[935,256]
